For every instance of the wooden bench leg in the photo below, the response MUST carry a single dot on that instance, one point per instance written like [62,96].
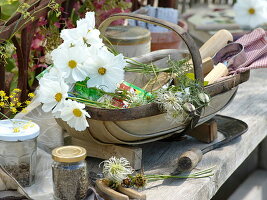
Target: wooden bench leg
[206,132]
[131,153]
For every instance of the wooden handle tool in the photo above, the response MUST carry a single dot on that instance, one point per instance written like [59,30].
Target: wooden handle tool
[219,40]
[231,128]
[133,194]
[189,159]
[219,71]
[207,65]
[110,193]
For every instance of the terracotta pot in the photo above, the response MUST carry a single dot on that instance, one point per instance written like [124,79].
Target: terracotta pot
[167,40]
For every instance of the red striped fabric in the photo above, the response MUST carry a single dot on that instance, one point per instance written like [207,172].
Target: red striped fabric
[255,45]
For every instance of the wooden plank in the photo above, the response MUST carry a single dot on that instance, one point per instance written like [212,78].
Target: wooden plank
[131,153]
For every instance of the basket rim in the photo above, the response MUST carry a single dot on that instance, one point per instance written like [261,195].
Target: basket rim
[152,109]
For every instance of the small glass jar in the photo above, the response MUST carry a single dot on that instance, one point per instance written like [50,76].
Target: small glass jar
[131,41]
[18,146]
[70,177]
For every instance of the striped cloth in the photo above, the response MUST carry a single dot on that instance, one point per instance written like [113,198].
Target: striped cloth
[255,45]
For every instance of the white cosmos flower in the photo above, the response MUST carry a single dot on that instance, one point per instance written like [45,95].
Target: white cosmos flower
[89,20]
[250,13]
[81,36]
[106,70]
[71,62]
[75,115]
[53,74]
[84,34]
[52,94]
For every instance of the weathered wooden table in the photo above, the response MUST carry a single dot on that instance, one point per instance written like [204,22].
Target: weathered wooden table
[160,157]
[249,105]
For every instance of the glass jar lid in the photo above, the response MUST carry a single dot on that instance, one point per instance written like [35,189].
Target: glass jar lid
[18,130]
[69,154]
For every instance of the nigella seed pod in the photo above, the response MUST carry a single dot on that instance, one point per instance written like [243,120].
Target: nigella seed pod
[188,107]
[139,180]
[204,98]
[127,182]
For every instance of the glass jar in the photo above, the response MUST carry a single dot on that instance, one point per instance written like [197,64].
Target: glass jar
[70,177]
[131,41]
[18,146]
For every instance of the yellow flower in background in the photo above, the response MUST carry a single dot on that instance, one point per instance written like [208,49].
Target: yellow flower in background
[16,90]
[2,93]
[11,104]
[24,110]
[31,95]
[13,110]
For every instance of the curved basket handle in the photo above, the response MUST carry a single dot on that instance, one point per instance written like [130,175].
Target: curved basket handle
[193,49]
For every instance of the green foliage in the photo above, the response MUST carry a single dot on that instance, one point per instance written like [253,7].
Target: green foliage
[192,77]
[7,2]
[8,7]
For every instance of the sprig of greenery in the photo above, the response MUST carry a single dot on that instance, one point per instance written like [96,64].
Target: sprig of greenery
[95,104]
[140,180]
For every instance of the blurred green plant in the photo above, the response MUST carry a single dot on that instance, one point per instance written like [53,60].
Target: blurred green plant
[8,7]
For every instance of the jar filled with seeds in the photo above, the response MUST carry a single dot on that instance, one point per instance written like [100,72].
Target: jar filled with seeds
[18,146]
[70,177]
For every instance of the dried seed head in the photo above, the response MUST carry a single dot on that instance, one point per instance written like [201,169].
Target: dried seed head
[188,107]
[139,180]
[116,169]
[127,182]
[204,98]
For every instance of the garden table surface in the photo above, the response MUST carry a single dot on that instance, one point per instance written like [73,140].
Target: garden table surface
[160,157]
[203,22]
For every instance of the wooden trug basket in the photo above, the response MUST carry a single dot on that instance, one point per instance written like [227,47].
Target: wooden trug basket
[147,123]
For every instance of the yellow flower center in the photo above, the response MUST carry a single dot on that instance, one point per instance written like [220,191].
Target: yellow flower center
[72,64]
[77,112]
[58,97]
[251,11]
[102,70]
